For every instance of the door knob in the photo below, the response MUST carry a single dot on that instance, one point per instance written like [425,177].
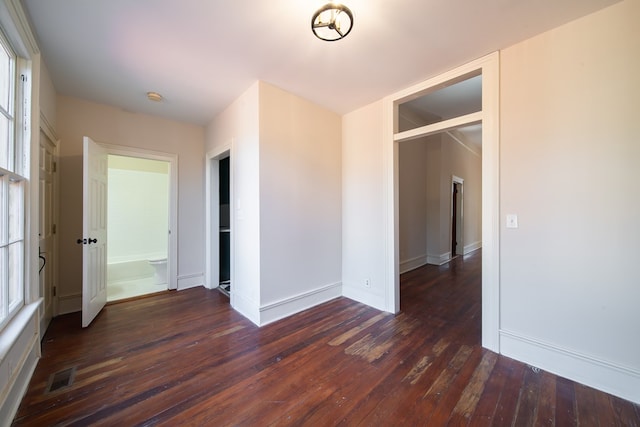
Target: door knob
[86,241]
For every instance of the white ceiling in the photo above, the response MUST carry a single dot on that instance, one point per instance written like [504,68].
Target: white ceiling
[202,54]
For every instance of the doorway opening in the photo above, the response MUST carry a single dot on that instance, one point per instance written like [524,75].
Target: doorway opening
[219,221]
[95,229]
[224,257]
[438,219]
[457,223]
[138,224]
[397,133]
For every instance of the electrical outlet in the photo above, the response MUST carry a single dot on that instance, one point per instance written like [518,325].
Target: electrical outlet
[367,283]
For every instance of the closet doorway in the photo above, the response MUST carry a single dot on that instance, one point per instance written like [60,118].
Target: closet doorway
[224,226]
[219,220]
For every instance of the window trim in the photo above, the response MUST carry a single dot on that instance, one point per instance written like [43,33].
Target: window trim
[21,159]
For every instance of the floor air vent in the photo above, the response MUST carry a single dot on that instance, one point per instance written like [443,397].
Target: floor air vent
[61,379]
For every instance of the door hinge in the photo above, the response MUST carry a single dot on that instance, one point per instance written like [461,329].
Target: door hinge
[53,229]
[54,291]
[55,166]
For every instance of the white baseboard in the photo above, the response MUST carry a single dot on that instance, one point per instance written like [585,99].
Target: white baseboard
[284,308]
[246,307]
[472,247]
[190,281]
[609,377]
[439,259]
[413,263]
[364,296]
[69,304]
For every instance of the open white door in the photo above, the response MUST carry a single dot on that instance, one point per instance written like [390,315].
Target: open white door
[94,230]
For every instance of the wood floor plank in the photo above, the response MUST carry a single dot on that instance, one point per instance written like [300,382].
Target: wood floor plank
[507,405]
[473,390]
[565,403]
[486,407]
[187,358]
[586,405]
[446,405]
[527,408]
[546,410]
[626,413]
[604,409]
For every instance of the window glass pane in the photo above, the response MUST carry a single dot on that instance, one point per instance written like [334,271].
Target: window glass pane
[16,215]
[5,78]
[455,100]
[16,256]
[5,145]
[3,212]
[4,251]
[12,188]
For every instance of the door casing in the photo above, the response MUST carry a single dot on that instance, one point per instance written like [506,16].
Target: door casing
[172,159]
[489,67]
[212,215]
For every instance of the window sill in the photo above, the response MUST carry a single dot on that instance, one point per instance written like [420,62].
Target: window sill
[11,333]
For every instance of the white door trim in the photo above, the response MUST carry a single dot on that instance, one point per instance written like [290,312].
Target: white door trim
[172,159]
[460,209]
[212,215]
[488,66]
[49,132]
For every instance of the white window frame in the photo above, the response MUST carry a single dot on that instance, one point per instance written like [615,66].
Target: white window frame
[16,171]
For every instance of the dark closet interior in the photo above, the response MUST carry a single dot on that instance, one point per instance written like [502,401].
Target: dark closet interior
[225,227]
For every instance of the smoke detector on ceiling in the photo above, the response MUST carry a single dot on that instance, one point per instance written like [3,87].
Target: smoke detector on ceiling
[154,96]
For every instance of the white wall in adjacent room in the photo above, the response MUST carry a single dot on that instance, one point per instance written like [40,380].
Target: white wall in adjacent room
[138,209]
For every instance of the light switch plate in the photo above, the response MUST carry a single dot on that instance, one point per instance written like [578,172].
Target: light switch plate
[512,221]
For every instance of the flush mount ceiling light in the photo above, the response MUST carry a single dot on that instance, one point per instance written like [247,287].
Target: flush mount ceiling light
[332,22]
[154,96]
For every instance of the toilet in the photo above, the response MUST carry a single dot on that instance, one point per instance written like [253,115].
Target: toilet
[159,270]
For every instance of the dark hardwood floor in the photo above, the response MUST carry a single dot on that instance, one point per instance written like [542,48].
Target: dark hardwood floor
[186,358]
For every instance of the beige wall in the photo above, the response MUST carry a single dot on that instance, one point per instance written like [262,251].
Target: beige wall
[570,164]
[363,206]
[425,171]
[285,155]
[300,196]
[105,124]
[48,97]
[412,178]
[465,164]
